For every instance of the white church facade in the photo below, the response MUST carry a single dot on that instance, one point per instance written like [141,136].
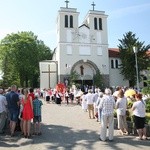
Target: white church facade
[81,48]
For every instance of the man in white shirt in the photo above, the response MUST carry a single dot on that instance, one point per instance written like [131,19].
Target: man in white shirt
[90,103]
[3,111]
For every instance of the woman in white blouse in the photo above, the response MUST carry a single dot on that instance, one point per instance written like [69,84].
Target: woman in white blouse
[138,109]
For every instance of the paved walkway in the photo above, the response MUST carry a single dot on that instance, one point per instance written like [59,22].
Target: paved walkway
[68,128]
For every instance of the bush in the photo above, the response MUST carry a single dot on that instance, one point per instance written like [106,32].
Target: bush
[115,113]
[128,118]
[130,103]
[147,120]
[146,90]
[148,105]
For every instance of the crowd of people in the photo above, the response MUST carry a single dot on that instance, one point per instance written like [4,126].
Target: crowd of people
[23,105]
[102,104]
[18,108]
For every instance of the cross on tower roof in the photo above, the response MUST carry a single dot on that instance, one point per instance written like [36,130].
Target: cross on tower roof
[93,5]
[66,1]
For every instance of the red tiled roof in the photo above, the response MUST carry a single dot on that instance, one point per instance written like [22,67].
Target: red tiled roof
[113,52]
[148,53]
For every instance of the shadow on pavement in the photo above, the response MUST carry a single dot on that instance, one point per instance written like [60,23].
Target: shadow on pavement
[57,136]
[62,136]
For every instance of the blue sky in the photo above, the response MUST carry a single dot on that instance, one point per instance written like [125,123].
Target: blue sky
[39,16]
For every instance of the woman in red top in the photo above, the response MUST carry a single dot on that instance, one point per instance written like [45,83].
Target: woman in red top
[31,93]
[27,113]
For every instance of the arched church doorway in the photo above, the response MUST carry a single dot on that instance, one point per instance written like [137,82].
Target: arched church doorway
[86,71]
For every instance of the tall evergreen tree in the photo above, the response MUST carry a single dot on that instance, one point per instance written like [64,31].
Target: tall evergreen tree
[127,56]
[146,90]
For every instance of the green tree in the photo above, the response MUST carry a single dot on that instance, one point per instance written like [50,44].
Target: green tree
[127,56]
[146,90]
[20,54]
[73,77]
[97,80]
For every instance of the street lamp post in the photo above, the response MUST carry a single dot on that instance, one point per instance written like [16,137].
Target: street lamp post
[137,76]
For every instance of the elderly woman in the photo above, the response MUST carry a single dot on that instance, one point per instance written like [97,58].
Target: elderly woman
[138,109]
[107,105]
[121,106]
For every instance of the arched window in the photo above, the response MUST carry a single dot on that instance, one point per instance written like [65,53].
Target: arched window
[95,23]
[116,63]
[100,23]
[112,63]
[66,21]
[71,21]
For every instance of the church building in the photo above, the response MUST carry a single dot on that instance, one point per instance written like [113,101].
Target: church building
[83,49]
